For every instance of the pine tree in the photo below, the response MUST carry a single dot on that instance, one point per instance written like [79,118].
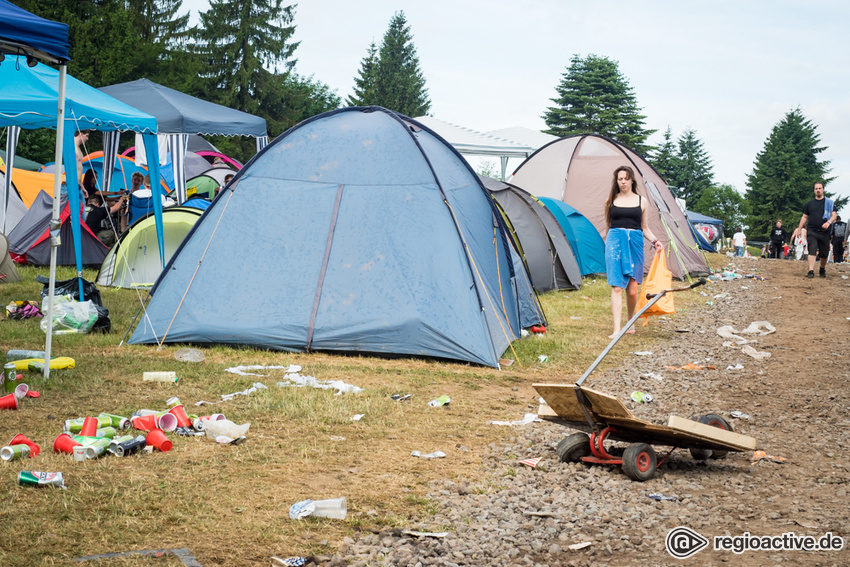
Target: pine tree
[393,79]
[663,158]
[595,98]
[364,85]
[785,172]
[691,168]
[243,44]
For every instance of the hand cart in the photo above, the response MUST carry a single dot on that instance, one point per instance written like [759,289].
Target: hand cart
[605,418]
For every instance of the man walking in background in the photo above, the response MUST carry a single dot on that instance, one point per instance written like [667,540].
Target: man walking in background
[739,241]
[778,236]
[839,235]
[818,216]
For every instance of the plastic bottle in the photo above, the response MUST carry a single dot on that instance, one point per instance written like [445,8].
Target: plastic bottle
[18,354]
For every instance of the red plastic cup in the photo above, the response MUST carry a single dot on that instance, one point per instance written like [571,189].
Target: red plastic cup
[90,425]
[180,413]
[20,438]
[64,444]
[158,439]
[9,401]
[144,422]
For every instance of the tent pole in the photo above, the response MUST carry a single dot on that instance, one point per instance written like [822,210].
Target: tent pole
[54,221]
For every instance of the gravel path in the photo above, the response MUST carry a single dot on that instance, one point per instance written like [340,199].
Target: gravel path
[797,402]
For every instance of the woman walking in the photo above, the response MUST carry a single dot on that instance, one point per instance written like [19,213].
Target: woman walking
[625,217]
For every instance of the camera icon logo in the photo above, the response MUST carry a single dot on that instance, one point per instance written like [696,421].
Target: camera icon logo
[682,542]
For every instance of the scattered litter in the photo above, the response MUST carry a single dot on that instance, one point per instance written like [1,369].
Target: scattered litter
[542,358]
[690,366]
[739,415]
[577,546]
[584,297]
[159,377]
[225,428]
[652,375]
[23,310]
[401,398]
[644,353]
[759,456]
[242,370]
[434,455]
[358,416]
[227,397]
[441,401]
[539,514]
[189,355]
[658,496]
[641,397]
[529,418]
[738,366]
[721,295]
[745,287]
[506,361]
[574,318]
[758,355]
[523,333]
[300,381]
[425,534]
[291,561]
[41,479]
[538,329]
[531,463]
[682,330]
[337,438]
[809,526]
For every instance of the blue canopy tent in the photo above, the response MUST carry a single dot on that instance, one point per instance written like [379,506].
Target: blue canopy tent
[34,96]
[588,246]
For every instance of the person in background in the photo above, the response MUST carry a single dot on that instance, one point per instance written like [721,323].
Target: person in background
[98,218]
[90,184]
[839,236]
[778,237]
[625,218]
[80,139]
[739,241]
[818,216]
[764,251]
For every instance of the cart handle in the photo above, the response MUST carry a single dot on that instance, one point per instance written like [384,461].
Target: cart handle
[698,283]
[653,299]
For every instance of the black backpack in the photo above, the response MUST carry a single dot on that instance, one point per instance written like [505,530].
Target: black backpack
[839,230]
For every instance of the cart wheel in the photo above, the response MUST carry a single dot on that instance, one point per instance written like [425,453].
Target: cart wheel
[639,462]
[713,420]
[573,447]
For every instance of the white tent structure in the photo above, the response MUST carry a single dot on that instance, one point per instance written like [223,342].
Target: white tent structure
[469,142]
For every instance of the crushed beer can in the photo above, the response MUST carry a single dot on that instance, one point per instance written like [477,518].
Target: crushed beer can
[41,479]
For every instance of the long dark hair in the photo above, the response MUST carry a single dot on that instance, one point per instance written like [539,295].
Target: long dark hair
[615,189]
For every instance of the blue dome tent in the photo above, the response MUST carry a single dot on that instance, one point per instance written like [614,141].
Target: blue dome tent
[358,230]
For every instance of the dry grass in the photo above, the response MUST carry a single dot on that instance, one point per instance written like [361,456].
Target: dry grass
[229,504]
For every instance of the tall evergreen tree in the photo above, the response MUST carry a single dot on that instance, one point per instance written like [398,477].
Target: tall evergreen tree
[663,158]
[692,169]
[393,79]
[595,98]
[784,173]
[243,45]
[364,85]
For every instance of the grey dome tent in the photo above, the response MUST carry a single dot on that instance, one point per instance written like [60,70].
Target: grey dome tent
[548,255]
[374,236]
[578,171]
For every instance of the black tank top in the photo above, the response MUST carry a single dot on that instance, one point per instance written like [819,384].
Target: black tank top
[626,217]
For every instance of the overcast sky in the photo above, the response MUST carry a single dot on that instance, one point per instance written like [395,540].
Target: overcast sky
[728,69]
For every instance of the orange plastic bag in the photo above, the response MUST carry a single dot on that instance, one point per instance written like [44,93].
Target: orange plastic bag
[658,279]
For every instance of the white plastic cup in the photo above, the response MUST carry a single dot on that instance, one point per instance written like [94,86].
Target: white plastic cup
[79,453]
[21,391]
[335,508]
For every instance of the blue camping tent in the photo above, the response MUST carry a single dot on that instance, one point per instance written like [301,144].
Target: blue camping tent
[588,246]
[367,233]
[24,33]
[707,230]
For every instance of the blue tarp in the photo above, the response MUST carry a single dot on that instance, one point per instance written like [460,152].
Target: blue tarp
[587,245]
[358,230]
[17,26]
